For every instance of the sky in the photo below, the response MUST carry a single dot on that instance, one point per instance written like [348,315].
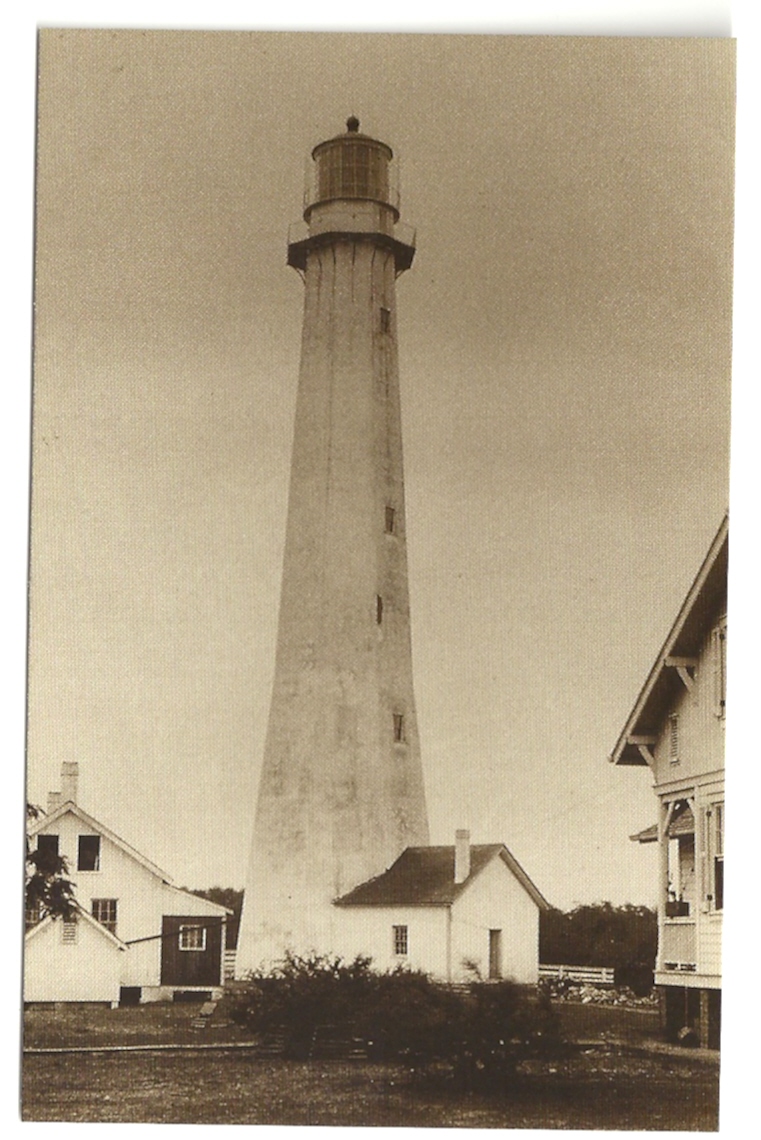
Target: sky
[565,362]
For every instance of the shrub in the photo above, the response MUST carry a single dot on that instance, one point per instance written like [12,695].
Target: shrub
[477,1034]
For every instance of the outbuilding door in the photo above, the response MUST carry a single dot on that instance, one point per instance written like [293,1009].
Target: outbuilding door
[495,953]
[191,950]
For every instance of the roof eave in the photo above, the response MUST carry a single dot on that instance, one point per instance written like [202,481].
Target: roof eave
[660,679]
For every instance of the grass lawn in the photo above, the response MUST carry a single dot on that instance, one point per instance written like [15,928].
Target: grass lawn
[598,1087]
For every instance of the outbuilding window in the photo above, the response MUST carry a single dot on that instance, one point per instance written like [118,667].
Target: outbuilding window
[400,936]
[192,938]
[390,520]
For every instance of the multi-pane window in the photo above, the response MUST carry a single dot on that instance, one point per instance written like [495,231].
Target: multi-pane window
[32,915]
[400,937]
[104,911]
[192,938]
[398,728]
[353,171]
[88,857]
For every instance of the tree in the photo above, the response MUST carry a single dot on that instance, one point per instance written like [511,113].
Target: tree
[599,934]
[49,891]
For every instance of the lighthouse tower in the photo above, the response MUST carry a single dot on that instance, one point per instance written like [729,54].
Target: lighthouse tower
[341,792]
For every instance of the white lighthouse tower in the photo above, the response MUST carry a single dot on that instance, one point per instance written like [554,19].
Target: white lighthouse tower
[341,792]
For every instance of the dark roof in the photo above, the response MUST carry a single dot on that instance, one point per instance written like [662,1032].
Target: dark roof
[424,876]
[705,601]
[683,823]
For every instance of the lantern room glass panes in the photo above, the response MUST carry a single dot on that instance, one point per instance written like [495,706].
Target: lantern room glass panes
[352,170]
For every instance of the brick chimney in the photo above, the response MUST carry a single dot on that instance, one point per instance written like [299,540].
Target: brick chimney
[461,856]
[69,781]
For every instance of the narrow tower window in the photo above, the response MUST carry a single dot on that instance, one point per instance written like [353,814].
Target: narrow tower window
[385,320]
[378,609]
[398,728]
[390,513]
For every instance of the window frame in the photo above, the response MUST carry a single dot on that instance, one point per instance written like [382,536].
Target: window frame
[111,910]
[96,860]
[196,930]
[400,940]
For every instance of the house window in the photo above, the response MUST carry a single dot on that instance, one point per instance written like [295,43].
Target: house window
[192,938]
[719,638]
[69,933]
[674,739]
[385,320]
[400,940]
[681,885]
[378,609]
[46,858]
[47,845]
[398,728]
[89,853]
[32,915]
[715,844]
[390,519]
[104,912]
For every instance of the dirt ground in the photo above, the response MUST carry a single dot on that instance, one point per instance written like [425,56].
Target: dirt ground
[605,1085]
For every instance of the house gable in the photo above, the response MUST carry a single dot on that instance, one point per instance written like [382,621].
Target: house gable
[689,648]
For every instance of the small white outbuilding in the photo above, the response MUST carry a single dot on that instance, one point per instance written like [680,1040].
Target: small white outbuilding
[454,912]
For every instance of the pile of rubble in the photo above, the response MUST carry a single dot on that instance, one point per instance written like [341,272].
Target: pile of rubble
[564,989]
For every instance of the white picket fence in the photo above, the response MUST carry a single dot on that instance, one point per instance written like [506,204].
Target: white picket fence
[587,975]
[229,965]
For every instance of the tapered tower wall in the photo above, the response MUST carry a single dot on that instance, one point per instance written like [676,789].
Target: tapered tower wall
[341,791]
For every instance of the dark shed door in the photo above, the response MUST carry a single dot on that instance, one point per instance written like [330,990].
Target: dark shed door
[191,950]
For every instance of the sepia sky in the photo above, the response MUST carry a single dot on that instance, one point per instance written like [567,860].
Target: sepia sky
[564,356]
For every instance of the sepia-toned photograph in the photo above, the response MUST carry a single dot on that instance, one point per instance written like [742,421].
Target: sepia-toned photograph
[376,694]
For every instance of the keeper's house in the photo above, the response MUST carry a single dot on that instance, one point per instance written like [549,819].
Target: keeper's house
[676,728]
[136,937]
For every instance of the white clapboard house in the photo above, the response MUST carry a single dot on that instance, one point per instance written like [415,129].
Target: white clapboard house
[676,728]
[136,937]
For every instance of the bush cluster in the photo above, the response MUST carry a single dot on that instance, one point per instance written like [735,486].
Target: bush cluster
[476,1033]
